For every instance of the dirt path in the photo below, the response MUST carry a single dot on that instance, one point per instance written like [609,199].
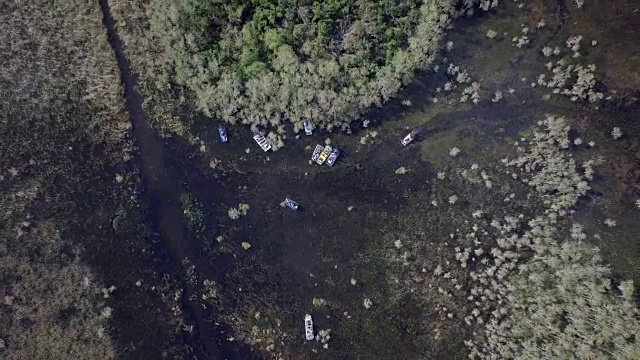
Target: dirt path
[163,194]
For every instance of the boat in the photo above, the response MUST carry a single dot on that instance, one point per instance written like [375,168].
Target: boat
[308,127]
[316,153]
[324,155]
[291,204]
[308,327]
[333,156]
[262,141]
[409,138]
[222,131]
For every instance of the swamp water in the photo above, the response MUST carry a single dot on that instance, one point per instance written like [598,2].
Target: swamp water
[263,292]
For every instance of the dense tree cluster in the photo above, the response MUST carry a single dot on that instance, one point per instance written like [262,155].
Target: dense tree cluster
[265,62]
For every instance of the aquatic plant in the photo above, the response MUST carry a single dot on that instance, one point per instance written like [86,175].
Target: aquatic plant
[323,336]
[241,210]
[575,80]
[497,96]
[546,165]
[559,303]
[573,42]
[319,302]
[535,292]
[616,133]
[192,211]
[520,41]
[471,92]
[233,213]
[209,290]
[448,45]
[468,7]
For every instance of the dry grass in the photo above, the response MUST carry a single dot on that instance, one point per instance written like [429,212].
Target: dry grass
[150,64]
[60,97]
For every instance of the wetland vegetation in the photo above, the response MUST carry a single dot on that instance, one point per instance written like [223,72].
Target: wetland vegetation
[506,229]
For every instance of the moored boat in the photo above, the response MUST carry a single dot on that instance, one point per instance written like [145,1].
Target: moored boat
[222,131]
[324,155]
[409,138]
[264,143]
[291,204]
[333,156]
[316,153]
[308,327]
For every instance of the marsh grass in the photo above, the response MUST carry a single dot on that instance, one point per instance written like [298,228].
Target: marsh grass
[69,227]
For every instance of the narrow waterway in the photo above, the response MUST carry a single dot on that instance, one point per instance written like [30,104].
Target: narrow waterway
[162,192]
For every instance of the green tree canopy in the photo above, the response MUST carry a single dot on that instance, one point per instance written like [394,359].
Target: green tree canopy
[262,62]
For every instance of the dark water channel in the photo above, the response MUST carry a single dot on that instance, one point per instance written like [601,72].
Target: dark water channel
[162,195]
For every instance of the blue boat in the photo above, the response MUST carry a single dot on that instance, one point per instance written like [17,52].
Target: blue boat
[222,131]
[291,204]
[333,157]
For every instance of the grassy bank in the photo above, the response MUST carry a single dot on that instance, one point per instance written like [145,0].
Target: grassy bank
[72,236]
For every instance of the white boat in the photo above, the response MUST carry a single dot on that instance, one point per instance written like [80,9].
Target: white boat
[316,153]
[308,127]
[409,138]
[308,327]
[262,141]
